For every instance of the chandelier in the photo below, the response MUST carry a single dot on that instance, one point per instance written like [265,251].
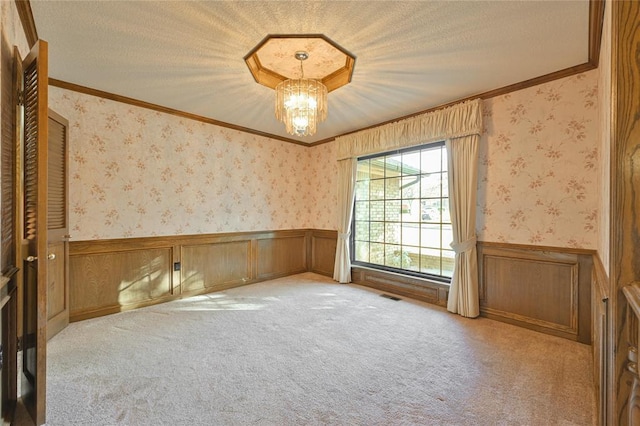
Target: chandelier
[301,99]
[301,103]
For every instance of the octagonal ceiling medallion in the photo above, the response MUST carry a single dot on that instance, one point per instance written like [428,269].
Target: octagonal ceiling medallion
[273,60]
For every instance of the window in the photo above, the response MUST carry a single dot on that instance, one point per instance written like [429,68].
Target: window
[401,214]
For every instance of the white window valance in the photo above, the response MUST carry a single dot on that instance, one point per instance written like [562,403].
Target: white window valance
[456,121]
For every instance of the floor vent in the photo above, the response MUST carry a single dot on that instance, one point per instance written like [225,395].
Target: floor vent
[388,296]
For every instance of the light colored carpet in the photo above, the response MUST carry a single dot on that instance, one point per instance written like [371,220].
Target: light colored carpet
[304,350]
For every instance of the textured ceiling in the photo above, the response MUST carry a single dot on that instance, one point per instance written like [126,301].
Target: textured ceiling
[410,55]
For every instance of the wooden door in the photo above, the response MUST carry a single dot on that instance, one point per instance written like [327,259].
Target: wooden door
[57,226]
[34,231]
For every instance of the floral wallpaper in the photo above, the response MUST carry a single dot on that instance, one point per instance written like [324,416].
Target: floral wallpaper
[12,31]
[539,165]
[324,174]
[136,172]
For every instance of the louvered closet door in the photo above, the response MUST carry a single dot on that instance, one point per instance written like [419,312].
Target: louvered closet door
[57,226]
[34,233]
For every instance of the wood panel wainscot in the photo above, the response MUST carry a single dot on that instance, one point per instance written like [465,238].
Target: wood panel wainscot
[423,289]
[279,255]
[542,288]
[102,283]
[215,266]
[323,251]
[108,276]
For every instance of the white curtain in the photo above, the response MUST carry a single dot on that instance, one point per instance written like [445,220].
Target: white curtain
[346,196]
[462,155]
[460,125]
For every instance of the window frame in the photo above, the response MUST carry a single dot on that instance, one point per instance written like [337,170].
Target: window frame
[352,239]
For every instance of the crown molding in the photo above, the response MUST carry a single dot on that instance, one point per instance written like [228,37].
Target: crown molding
[28,23]
[166,110]
[596,20]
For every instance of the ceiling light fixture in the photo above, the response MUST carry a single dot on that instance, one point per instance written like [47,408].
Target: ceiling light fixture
[301,103]
[301,87]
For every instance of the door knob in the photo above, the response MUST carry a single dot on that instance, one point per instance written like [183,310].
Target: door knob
[50,256]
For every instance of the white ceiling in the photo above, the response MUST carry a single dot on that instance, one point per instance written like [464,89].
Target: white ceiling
[410,55]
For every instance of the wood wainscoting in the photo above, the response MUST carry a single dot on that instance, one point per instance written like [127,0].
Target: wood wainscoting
[108,276]
[541,288]
[429,291]
[546,289]
[323,252]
